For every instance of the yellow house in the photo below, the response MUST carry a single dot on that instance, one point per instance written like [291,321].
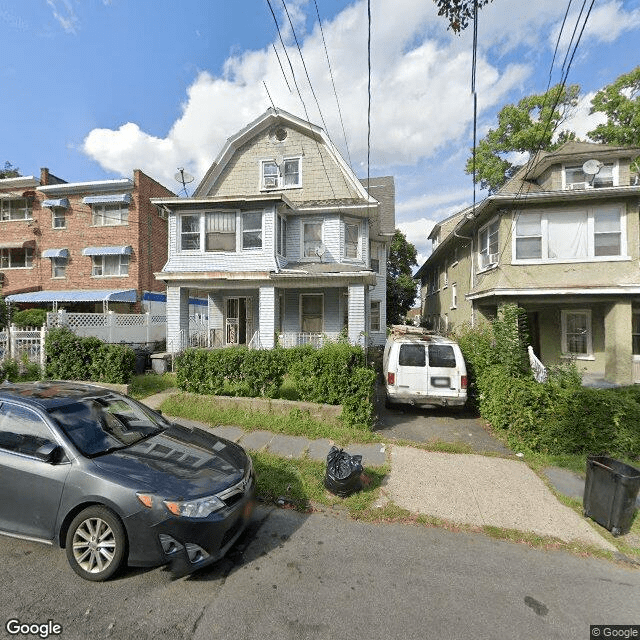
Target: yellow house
[561,240]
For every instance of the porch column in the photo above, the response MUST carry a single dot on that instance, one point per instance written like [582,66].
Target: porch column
[177,318]
[216,318]
[267,317]
[358,300]
[618,350]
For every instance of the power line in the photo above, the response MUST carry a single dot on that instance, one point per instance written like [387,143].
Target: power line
[335,93]
[281,68]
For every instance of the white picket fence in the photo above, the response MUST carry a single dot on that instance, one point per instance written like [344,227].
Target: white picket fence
[25,343]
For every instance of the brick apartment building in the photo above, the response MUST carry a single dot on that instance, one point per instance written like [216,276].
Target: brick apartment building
[86,246]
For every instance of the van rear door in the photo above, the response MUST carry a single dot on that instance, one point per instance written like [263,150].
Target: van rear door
[411,374]
[444,372]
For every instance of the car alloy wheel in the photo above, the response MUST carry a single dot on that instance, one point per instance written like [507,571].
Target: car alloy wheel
[96,544]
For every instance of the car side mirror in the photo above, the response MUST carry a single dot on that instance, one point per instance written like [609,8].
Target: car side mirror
[49,452]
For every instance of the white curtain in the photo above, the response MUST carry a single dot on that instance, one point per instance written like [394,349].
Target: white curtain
[567,234]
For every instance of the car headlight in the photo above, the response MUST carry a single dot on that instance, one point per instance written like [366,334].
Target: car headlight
[199,508]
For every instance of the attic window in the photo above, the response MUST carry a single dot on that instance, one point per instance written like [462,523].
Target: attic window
[575,178]
[280,134]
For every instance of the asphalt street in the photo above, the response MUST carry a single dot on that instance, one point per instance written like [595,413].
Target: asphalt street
[324,576]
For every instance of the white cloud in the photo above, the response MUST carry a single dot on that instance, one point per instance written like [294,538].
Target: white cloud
[581,121]
[420,94]
[65,15]
[429,200]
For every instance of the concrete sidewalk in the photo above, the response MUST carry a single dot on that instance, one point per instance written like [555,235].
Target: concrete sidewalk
[460,488]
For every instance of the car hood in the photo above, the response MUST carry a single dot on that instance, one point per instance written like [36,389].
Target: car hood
[179,463]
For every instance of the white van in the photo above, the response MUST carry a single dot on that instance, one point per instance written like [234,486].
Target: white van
[423,369]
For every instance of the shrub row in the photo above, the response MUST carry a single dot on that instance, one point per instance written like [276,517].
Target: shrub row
[333,374]
[70,357]
[555,418]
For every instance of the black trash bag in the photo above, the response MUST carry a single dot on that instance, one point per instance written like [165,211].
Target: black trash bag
[343,473]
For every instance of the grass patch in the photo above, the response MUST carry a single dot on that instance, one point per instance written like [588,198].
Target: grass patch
[148,384]
[295,423]
[300,482]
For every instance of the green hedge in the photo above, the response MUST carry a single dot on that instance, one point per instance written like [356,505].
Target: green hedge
[333,374]
[70,357]
[29,318]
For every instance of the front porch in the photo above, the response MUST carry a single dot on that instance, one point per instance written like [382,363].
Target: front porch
[266,316]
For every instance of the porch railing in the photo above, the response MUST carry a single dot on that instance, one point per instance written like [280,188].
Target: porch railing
[315,339]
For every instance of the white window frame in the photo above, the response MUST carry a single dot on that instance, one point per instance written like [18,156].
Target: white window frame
[201,233]
[591,234]
[281,235]
[587,183]
[280,174]
[488,259]
[356,224]
[374,256]
[109,214]
[589,334]
[375,327]
[58,214]
[311,295]
[6,261]
[454,295]
[98,265]
[304,223]
[9,208]
[59,267]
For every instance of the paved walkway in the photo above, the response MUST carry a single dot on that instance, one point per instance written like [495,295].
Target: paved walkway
[460,488]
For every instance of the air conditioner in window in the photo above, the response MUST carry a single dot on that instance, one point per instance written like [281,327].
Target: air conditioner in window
[270,182]
[487,259]
[576,185]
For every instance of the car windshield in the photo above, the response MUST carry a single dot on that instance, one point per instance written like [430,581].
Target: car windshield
[103,424]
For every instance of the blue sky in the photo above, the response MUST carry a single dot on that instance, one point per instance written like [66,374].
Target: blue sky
[93,89]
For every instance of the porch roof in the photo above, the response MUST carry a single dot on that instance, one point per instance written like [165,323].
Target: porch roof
[539,292]
[77,295]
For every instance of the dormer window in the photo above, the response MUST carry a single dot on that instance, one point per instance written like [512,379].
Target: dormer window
[576,178]
[285,175]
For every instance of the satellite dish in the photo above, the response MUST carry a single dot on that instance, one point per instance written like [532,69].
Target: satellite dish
[320,250]
[184,179]
[591,167]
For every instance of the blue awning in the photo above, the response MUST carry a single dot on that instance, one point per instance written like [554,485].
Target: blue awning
[55,253]
[61,203]
[86,295]
[113,197]
[107,251]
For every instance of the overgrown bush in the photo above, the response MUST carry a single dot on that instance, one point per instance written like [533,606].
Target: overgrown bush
[333,374]
[29,318]
[70,357]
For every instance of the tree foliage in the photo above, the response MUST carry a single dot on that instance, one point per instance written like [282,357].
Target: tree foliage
[9,171]
[620,102]
[524,128]
[458,12]
[401,287]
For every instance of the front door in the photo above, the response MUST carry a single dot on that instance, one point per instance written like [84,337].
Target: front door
[239,321]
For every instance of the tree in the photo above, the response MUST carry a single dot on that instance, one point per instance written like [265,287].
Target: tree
[620,101]
[526,127]
[401,287]
[9,171]
[458,12]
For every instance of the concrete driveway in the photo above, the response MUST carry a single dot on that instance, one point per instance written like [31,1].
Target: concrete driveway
[404,422]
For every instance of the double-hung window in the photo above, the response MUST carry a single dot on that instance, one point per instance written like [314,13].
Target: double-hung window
[107,214]
[576,178]
[311,312]
[576,333]
[488,244]
[190,232]
[351,237]
[374,318]
[281,235]
[374,256]
[252,230]
[59,267]
[312,239]
[58,218]
[110,265]
[220,231]
[16,258]
[15,209]
[566,235]
[285,175]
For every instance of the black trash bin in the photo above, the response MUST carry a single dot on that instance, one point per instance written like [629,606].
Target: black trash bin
[142,357]
[610,492]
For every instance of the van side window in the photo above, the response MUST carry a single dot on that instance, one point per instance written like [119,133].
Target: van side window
[412,355]
[441,355]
